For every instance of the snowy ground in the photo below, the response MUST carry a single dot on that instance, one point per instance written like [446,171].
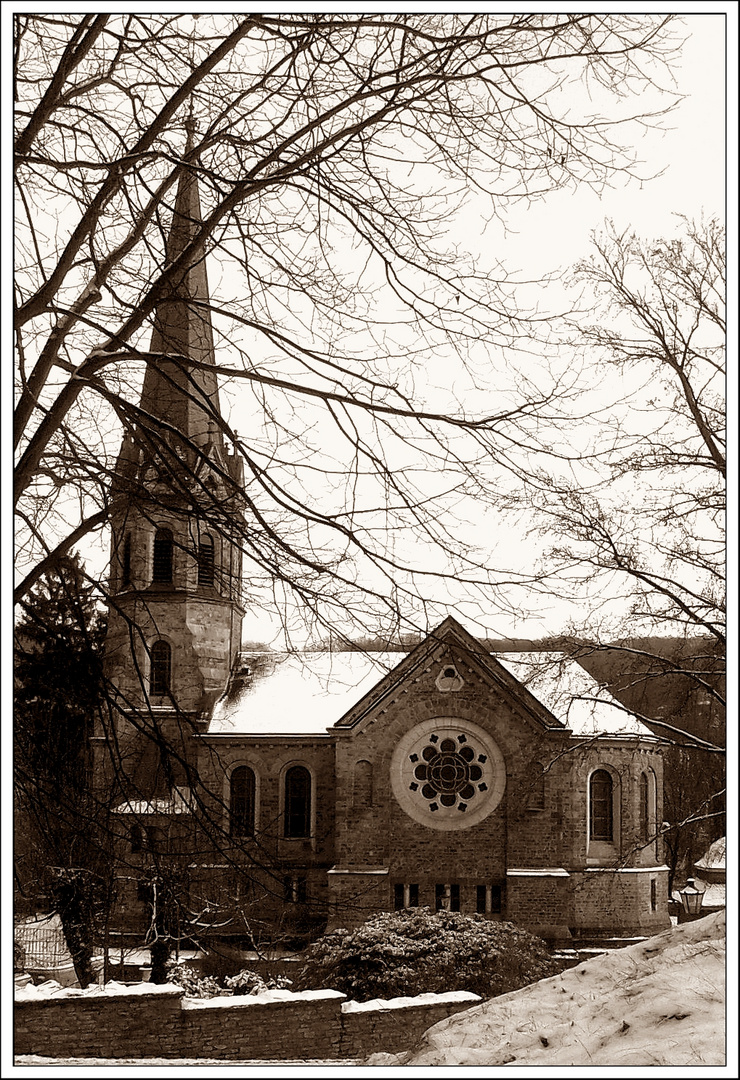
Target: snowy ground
[658,1003]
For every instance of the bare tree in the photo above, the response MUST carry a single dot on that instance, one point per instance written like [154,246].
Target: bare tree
[333,153]
[643,529]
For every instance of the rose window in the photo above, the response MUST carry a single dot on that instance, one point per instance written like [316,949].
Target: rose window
[448,777]
[449,772]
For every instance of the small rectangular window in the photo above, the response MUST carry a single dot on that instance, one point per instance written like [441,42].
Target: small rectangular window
[447,897]
[144,892]
[405,896]
[488,899]
[295,890]
[653,895]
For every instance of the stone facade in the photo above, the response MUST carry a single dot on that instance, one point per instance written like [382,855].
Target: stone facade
[516,841]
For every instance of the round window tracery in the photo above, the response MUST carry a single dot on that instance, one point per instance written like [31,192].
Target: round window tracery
[448,775]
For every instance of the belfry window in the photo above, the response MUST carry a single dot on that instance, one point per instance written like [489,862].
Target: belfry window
[241,802]
[601,811]
[161,666]
[297,802]
[162,561]
[205,561]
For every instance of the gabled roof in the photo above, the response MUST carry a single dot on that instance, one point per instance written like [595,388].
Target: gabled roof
[305,694]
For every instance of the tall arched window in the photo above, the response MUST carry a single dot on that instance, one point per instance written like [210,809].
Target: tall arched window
[601,798]
[161,666]
[241,802]
[205,561]
[126,561]
[297,802]
[644,817]
[162,561]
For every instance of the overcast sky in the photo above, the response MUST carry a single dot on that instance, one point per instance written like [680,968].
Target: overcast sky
[553,232]
[687,166]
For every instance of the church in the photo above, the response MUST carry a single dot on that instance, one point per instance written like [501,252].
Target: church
[283,793]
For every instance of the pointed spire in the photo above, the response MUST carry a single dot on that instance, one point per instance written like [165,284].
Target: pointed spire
[173,389]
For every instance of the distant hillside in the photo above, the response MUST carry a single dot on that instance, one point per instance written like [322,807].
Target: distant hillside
[681,683]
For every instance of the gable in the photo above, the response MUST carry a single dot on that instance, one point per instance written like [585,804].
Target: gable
[450,644]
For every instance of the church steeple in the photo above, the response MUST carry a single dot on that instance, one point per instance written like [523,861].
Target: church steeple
[174,624]
[176,391]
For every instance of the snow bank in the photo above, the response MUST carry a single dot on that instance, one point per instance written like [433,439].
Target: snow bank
[658,1003]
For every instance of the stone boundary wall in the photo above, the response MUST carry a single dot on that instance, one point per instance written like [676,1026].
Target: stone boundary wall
[150,1022]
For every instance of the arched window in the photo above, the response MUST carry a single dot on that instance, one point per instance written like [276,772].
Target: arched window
[162,561]
[205,561]
[644,816]
[126,562]
[297,802]
[362,787]
[241,802]
[601,806]
[161,665]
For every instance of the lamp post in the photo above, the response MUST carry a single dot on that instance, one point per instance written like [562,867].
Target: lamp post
[691,898]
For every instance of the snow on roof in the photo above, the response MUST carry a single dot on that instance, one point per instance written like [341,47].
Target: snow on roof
[157,805]
[306,693]
[572,695]
[714,857]
[299,693]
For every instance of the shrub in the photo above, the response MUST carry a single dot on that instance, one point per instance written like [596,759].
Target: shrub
[249,982]
[193,983]
[205,986]
[417,951]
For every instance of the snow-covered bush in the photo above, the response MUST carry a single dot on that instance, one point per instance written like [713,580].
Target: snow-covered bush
[418,951]
[205,986]
[249,982]
[193,983]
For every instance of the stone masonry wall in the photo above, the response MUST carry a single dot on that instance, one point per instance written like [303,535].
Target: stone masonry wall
[159,1023]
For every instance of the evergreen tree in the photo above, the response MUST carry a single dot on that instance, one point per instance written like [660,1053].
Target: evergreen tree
[60,852]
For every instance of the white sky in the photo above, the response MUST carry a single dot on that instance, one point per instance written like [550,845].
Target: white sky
[688,163]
